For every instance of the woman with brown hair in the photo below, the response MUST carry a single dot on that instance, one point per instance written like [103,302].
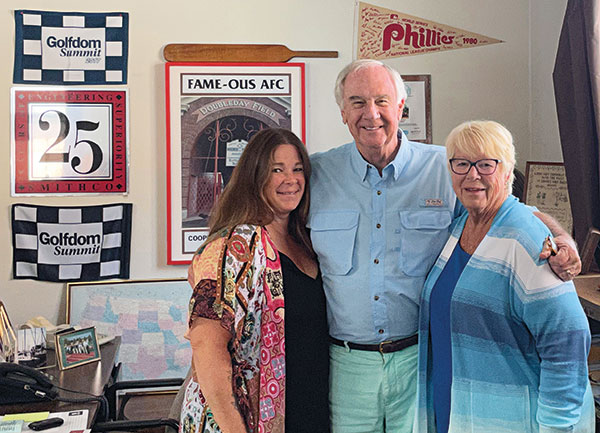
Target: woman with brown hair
[258,251]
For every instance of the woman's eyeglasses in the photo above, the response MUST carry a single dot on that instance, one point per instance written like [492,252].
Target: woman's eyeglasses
[484,167]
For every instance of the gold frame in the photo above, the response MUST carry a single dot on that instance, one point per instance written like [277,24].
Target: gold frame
[61,339]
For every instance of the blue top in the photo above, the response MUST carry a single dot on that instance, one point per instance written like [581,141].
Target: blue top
[376,237]
[518,335]
[439,326]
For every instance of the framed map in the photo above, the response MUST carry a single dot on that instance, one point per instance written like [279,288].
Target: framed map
[213,109]
[149,315]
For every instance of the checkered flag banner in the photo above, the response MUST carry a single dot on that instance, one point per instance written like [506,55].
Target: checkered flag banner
[71,47]
[59,244]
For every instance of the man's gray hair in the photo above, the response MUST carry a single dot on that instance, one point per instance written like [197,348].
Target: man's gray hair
[365,63]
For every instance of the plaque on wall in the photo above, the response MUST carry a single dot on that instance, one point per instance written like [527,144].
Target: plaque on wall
[416,114]
[213,109]
[546,189]
[68,141]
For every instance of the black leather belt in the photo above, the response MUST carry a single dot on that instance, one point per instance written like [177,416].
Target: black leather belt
[383,347]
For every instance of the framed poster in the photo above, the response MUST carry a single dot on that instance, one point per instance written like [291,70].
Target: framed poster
[150,316]
[213,109]
[546,189]
[416,115]
[68,141]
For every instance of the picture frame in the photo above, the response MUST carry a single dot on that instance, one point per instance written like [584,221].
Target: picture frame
[69,141]
[8,337]
[546,188]
[213,109]
[75,348]
[149,315]
[588,251]
[416,115]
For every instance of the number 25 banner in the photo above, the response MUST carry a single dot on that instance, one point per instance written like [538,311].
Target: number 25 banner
[69,142]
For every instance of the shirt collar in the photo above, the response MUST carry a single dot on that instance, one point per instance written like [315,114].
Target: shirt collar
[361,167]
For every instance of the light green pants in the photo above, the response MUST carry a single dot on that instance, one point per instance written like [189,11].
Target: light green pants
[370,392]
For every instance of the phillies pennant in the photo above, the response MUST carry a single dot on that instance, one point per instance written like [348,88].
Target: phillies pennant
[384,33]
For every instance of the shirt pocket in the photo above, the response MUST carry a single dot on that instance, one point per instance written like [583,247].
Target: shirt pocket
[423,234]
[333,235]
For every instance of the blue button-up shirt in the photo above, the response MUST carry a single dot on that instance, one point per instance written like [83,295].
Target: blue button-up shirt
[376,237]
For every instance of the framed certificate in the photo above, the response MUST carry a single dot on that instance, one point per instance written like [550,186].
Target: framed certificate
[546,189]
[213,109]
[416,115]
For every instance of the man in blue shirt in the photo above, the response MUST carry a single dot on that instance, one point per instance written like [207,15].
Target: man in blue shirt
[380,212]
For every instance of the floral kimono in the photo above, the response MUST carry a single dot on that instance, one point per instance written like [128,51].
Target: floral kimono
[237,280]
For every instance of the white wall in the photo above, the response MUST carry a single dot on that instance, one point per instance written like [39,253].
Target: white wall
[546,23]
[484,82]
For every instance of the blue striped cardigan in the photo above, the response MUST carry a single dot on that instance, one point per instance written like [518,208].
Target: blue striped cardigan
[519,337]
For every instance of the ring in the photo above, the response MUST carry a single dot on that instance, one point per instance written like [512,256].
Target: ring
[569,273]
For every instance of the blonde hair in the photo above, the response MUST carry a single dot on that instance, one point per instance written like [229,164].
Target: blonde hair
[484,137]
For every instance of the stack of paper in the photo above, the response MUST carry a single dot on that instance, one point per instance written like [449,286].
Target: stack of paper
[75,421]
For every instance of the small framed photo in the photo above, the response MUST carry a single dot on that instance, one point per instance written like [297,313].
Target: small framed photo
[77,347]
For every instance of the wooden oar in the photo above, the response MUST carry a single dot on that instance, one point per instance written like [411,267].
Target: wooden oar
[236,53]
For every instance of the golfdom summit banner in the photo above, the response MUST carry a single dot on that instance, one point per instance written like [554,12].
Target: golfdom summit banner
[59,244]
[70,47]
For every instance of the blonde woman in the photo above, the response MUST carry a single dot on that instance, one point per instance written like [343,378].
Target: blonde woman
[503,342]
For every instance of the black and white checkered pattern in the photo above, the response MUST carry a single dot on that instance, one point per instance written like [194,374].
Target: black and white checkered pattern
[45,246]
[29,62]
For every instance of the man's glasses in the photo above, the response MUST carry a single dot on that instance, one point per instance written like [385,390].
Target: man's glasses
[484,167]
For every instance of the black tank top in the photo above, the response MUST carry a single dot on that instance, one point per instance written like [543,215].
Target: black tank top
[306,351]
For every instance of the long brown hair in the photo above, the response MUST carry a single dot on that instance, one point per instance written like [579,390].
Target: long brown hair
[243,201]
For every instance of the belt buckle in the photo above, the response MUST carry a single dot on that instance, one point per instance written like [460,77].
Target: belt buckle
[381,345]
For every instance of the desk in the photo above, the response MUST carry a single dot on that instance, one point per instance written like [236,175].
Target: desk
[90,378]
[589,295]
